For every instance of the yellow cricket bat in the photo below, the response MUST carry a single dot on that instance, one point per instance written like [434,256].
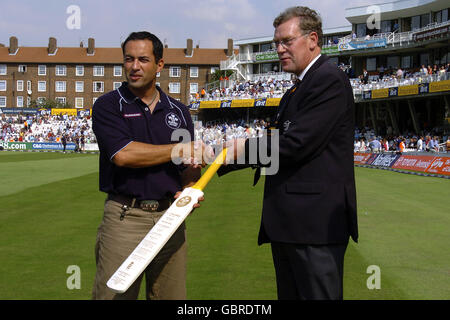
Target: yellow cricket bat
[162,231]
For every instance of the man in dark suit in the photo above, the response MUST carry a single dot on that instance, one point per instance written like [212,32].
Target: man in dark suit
[309,206]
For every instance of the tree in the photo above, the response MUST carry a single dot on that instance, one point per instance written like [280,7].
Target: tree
[221,73]
[50,104]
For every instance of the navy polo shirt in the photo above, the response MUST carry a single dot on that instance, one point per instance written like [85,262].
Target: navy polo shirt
[119,118]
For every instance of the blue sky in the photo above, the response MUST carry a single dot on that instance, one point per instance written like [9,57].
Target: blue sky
[209,23]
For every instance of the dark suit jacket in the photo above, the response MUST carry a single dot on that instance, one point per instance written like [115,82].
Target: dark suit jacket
[312,198]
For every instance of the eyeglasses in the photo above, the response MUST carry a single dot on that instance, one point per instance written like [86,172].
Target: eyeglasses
[285,43]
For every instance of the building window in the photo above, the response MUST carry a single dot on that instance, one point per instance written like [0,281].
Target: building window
[158,84]
[214,69]
[116,85]
[61,100]
[79,86]
[60,70]
[193,72]
[79,102]
[79,71]
[175,72]
[3,69]
[174,87]
[97,86]
[94,99]
[2,85]
[22,68]
[193,88]
[99,71]
[371,64]
[117,71]
[19,101]
[42,70]
[3,101]
[19,85]
[406,62]
[60,86]
[42,86]
[158,74]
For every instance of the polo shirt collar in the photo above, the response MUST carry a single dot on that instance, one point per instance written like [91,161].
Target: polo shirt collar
[129,97]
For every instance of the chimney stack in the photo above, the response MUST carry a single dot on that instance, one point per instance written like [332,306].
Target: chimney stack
[230,48]
[91,46]
[51,45]
[189,48]
[13,45]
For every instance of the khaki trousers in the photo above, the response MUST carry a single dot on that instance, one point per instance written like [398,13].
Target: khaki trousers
[116,239]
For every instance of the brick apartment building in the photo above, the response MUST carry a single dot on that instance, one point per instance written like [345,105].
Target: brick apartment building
[77,76]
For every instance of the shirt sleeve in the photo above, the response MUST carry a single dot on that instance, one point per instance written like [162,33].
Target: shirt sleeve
[109,126]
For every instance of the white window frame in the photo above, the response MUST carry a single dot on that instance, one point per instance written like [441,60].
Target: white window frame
[158,74]
[19,85]
[3,70]
[175,72]
[42,70]
[29,85]
[193,72]
[117,71]
[79,68]
[191,86]
[77,100]
[174,87]
[60,70]
[60,89]
[94,99]
[3,82]
[98,71]
[19,102]
[94,86]
[77,84]
[22,68]
[1,99]
[116,85]
[40,84]
[61,100]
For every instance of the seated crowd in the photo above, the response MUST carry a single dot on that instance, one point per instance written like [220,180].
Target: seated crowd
[265,88]
[46,128]
[382,78]
[367,141]
[51,128]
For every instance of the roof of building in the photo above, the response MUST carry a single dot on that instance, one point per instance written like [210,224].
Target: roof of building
[200,56]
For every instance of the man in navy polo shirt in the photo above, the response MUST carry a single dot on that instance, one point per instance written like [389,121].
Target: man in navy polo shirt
[133,126]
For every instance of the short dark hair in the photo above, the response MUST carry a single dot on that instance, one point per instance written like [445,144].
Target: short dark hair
[145,35]
[310,20]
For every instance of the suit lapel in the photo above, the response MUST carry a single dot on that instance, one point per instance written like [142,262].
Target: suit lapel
[295,91]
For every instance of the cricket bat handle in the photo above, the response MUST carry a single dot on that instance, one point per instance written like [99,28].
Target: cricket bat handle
[212,169]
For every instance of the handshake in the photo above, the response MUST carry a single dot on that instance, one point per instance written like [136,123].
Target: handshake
[198,154]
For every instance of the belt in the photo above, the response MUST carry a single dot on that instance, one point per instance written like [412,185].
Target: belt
[147,205]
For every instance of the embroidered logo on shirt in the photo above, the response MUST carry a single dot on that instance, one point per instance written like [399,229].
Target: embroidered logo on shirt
[132,115]
[173,121]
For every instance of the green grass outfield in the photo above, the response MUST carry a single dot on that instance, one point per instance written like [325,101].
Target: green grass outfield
[51,208]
